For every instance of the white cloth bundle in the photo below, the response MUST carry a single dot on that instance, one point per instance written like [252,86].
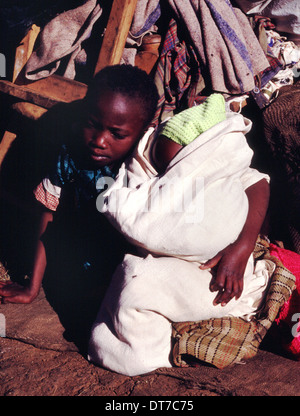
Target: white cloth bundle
[132,332]
[198,206]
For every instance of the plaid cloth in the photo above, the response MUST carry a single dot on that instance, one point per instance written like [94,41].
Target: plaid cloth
[178,76]
[84,185]
[263,21]
[183,81]
[225,341]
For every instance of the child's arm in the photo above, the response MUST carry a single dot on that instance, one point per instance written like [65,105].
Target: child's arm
[231,262]
[163,152]
[233,259]
[15,293]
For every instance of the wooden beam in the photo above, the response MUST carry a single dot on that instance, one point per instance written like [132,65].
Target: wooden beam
[46,92]
[116,32]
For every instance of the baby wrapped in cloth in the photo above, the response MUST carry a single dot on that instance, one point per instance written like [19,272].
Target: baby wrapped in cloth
[178,220]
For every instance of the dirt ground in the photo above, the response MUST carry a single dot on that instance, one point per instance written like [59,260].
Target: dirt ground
[39,358]
[30,371]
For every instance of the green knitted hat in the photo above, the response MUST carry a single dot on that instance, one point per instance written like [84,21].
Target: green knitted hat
[186,126]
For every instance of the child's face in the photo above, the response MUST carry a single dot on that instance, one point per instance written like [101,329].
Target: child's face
[114,124]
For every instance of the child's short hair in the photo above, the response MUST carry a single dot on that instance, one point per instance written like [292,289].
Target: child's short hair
[129,80]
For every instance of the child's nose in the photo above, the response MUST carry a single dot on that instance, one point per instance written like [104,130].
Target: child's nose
[100,140]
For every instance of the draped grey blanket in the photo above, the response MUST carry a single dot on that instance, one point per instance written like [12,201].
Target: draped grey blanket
[223,39]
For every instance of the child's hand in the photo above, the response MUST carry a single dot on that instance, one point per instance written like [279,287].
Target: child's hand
[228,276]
[12,292]
[232,261]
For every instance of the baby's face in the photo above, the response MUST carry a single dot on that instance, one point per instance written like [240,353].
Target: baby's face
[113,126]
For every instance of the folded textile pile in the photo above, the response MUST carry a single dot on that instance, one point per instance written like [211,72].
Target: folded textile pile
[208,46]
[60,45]
[228,340]
[221,35]
[224,43]
[61,39]
[284,13]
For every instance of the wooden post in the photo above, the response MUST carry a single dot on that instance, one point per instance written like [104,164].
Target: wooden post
[116,32]
[5,144]
[24,50]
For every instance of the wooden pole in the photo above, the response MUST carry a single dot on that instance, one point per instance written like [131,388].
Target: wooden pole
[116,32]
[5,144]
[24,50]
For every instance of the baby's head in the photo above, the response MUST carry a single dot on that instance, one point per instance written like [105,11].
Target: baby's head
[120,104]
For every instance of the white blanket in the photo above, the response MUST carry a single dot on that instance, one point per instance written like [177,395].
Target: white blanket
[132,333]
[198,206]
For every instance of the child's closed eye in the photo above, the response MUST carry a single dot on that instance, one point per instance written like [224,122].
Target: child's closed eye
[118,135]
